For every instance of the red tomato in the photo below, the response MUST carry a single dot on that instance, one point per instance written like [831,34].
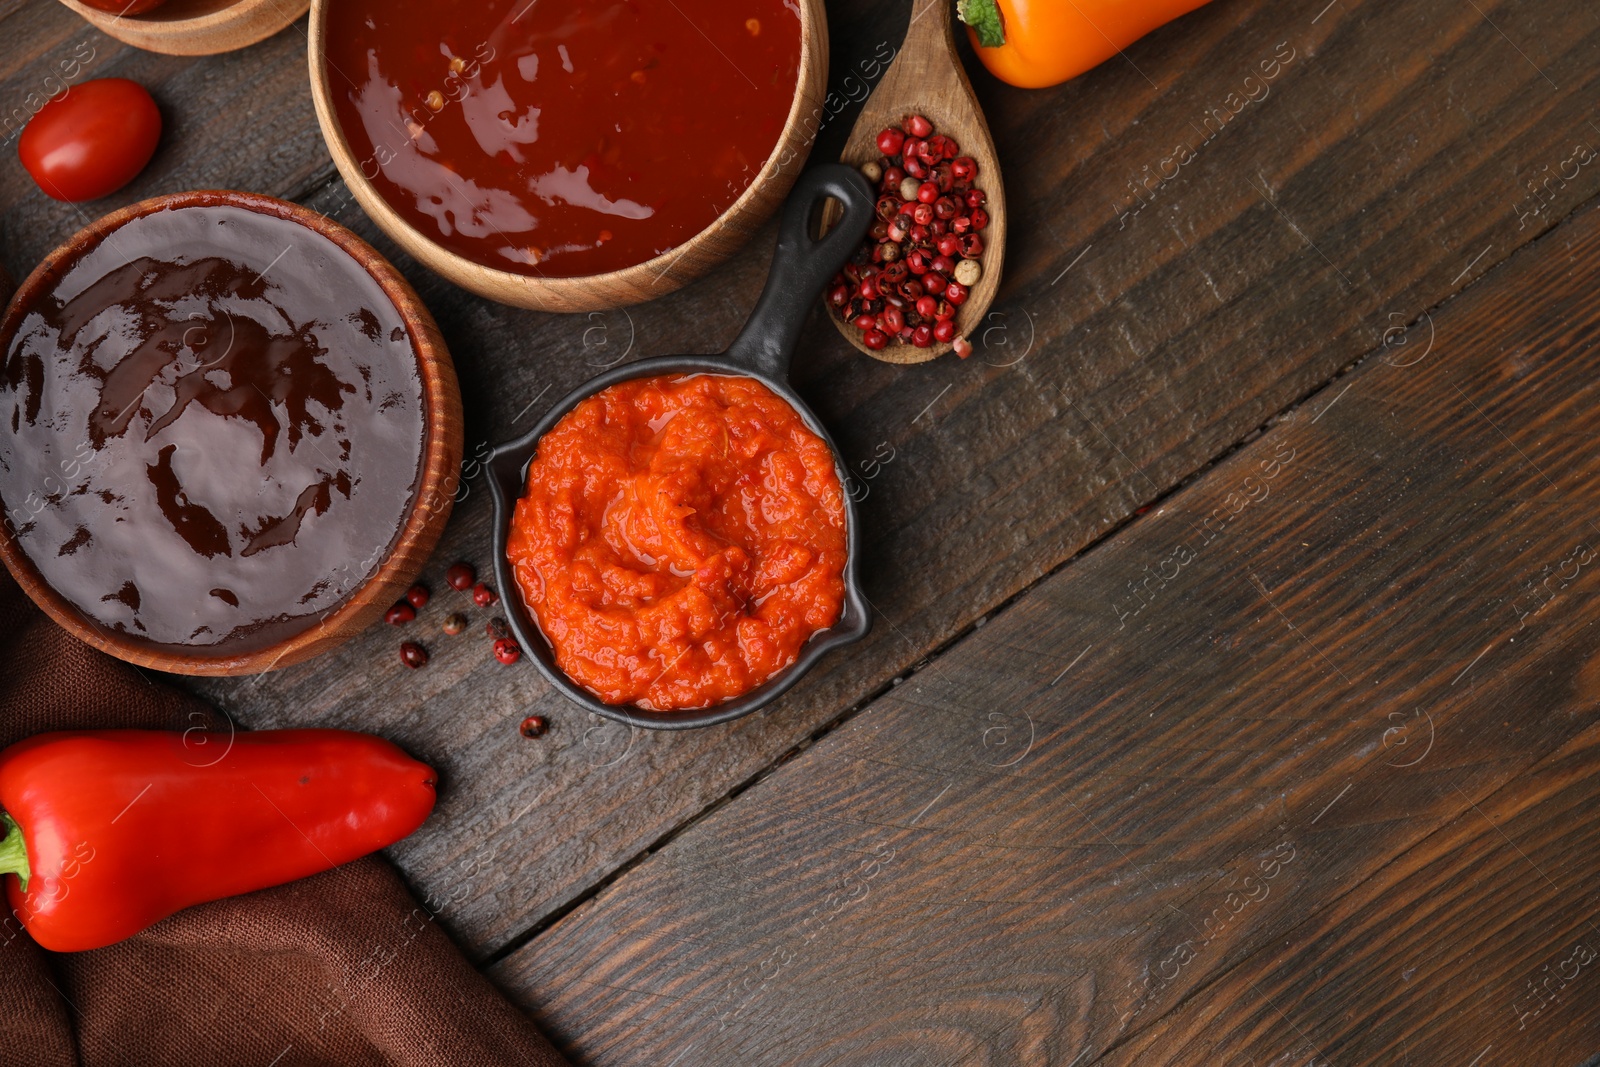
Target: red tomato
[93,141]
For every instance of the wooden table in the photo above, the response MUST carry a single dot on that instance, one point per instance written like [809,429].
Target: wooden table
[1233,695]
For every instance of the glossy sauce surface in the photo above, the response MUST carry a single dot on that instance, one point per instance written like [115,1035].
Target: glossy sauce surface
[679,540]
[562,139]
[211,429]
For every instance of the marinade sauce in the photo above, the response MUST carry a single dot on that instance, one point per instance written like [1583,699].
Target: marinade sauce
[562,138]
[211,429]
[680,539]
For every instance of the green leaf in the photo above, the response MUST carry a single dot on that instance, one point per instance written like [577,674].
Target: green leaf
[984,17]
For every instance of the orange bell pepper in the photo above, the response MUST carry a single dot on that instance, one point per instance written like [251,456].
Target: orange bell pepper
[1035,43]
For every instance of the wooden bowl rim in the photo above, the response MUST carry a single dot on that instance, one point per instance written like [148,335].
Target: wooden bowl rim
[152,23]
[440,398]
[646,276]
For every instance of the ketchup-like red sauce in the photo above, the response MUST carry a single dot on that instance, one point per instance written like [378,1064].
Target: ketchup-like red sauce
[680,539]
[562,138]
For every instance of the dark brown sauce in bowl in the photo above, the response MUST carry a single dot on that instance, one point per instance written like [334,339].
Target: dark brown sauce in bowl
[213,427]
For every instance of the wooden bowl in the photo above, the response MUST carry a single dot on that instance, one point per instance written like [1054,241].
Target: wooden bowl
[644,281]
[196,27]
[439,466]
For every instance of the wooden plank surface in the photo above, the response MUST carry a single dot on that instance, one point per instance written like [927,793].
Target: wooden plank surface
[1491,918]
[1270,756]
[1159,348]
[1380,169]
[237,121]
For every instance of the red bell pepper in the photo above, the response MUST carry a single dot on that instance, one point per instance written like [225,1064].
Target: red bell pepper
[108,831]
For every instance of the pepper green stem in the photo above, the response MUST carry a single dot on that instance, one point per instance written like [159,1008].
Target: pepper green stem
[984,18]
[13,851]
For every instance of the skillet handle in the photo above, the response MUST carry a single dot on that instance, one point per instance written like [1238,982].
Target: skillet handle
[802,266]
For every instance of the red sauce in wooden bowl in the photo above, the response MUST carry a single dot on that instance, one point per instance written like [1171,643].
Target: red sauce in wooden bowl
[680,539]
[567,138]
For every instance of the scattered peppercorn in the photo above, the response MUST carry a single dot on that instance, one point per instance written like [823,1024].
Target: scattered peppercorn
[413,655]
[507,651]
[483,596]
[461,575]
[455,623]
[400,614]
[924,245]
[496,628]
[417,596]
[534,726]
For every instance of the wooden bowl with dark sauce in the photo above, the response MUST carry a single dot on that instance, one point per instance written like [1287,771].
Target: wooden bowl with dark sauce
[230,434]
[496,165]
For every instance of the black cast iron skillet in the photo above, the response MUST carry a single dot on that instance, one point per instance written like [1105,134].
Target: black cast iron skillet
[763,350]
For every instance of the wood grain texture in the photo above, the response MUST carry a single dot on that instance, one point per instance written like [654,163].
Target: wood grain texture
[195,27]
[1256,746]
[237,121]
[1093,391]
[927,79]
[1490,919]
[655,277]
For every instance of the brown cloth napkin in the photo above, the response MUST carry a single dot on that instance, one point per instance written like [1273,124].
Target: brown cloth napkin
[343,968]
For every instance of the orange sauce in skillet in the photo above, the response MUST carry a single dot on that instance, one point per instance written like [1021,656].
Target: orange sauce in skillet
[680,539]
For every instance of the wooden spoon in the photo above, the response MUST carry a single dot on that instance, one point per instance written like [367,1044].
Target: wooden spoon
[927,78]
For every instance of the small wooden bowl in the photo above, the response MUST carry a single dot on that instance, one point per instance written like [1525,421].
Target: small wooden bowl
[440,461]
[645,281]
[196,27]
